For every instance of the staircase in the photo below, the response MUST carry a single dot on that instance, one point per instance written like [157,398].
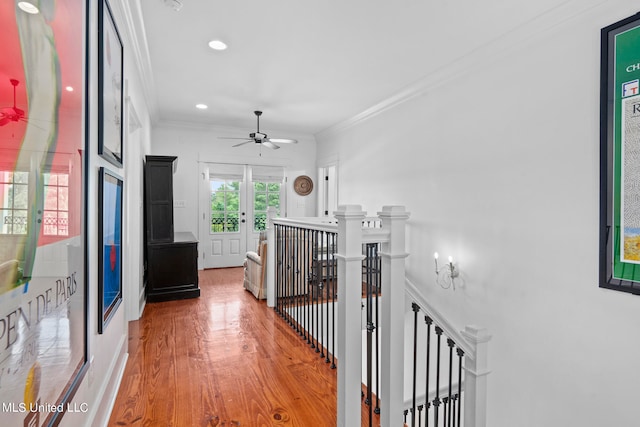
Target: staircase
[342,285]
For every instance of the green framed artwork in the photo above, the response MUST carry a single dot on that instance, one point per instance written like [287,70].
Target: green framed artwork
[620,156]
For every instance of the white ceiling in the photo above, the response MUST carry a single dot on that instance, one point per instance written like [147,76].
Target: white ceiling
[308,65]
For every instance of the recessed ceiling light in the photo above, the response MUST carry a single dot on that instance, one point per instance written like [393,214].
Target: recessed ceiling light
[69,89]
[217,45]
[28,7]
[201,106]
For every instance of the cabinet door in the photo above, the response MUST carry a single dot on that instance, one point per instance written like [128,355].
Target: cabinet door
[159,198]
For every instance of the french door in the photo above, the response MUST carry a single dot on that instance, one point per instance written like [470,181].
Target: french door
[233,204]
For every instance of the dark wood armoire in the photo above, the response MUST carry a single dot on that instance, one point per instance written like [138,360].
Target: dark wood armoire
[171,258]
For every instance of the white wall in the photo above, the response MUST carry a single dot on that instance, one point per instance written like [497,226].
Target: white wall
[108,351]
[496,157]
[195,144]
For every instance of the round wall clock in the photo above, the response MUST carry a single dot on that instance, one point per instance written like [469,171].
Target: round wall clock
[303,185]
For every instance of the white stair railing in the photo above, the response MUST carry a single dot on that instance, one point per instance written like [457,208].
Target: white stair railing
[391,236]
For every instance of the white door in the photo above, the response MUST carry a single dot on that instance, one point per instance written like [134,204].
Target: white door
[328,191]
[265,190]
[223,229]
[233,210]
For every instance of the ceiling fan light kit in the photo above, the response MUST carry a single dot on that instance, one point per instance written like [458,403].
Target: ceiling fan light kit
[262,138]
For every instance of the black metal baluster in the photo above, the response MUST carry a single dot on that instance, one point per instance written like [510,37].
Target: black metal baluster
[450,343]
[445,402]
[286,270]
[276,248]
[289,271]
[370,327]
[420,408]
[302,267]
[454,400]
[309,288]
[436,401]
[334,285]
[283,267]
[416,308]
[302,250]
[377,282]
[283,263]
[460,356]
[328,287]
[308,242]
[320,262]
[296,261]
[428,322]
[325,273]
[308,263]
[301,246]
[316,318]
[294,273]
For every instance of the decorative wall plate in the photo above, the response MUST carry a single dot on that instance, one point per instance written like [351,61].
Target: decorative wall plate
[303,185]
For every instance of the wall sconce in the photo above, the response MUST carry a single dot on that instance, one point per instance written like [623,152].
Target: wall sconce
[445,275]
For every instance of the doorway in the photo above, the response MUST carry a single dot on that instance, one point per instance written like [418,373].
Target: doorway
[328,191]
[234,202]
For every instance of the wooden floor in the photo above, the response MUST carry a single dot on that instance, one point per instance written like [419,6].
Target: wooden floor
[224,359]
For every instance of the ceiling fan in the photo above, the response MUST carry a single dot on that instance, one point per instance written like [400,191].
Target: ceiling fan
[12,114]
[262,138]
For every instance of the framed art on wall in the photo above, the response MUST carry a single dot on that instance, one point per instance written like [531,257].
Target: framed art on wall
[43,175]
[110,90]
[620,156]
[110,252]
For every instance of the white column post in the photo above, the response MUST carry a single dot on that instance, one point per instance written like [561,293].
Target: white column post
[349,328]
[393,256]
[475,378]
[271,258]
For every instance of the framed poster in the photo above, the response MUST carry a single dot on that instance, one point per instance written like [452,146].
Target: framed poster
[110,252]
[620,156]
[110,93]
[43,175]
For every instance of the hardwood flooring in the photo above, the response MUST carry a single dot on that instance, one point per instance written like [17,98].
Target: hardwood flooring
[224,359]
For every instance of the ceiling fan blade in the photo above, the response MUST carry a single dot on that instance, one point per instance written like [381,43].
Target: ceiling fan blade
[283,140]
[4,120]
[242,143]
[230,137]
[268,143]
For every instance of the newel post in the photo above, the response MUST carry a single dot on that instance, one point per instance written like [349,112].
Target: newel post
[349,330]
[271,258]
[475,378]
[393,254]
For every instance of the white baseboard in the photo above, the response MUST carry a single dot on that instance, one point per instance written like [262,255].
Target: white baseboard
[109,389]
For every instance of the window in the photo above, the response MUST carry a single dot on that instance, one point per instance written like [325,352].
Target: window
[265,194]
[225,205]
[14,190]
[56,204]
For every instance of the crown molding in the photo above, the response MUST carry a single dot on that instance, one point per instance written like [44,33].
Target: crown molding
[131,12]
[481,56]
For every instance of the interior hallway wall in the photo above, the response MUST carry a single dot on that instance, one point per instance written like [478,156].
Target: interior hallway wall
[108,351]
[497,159]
